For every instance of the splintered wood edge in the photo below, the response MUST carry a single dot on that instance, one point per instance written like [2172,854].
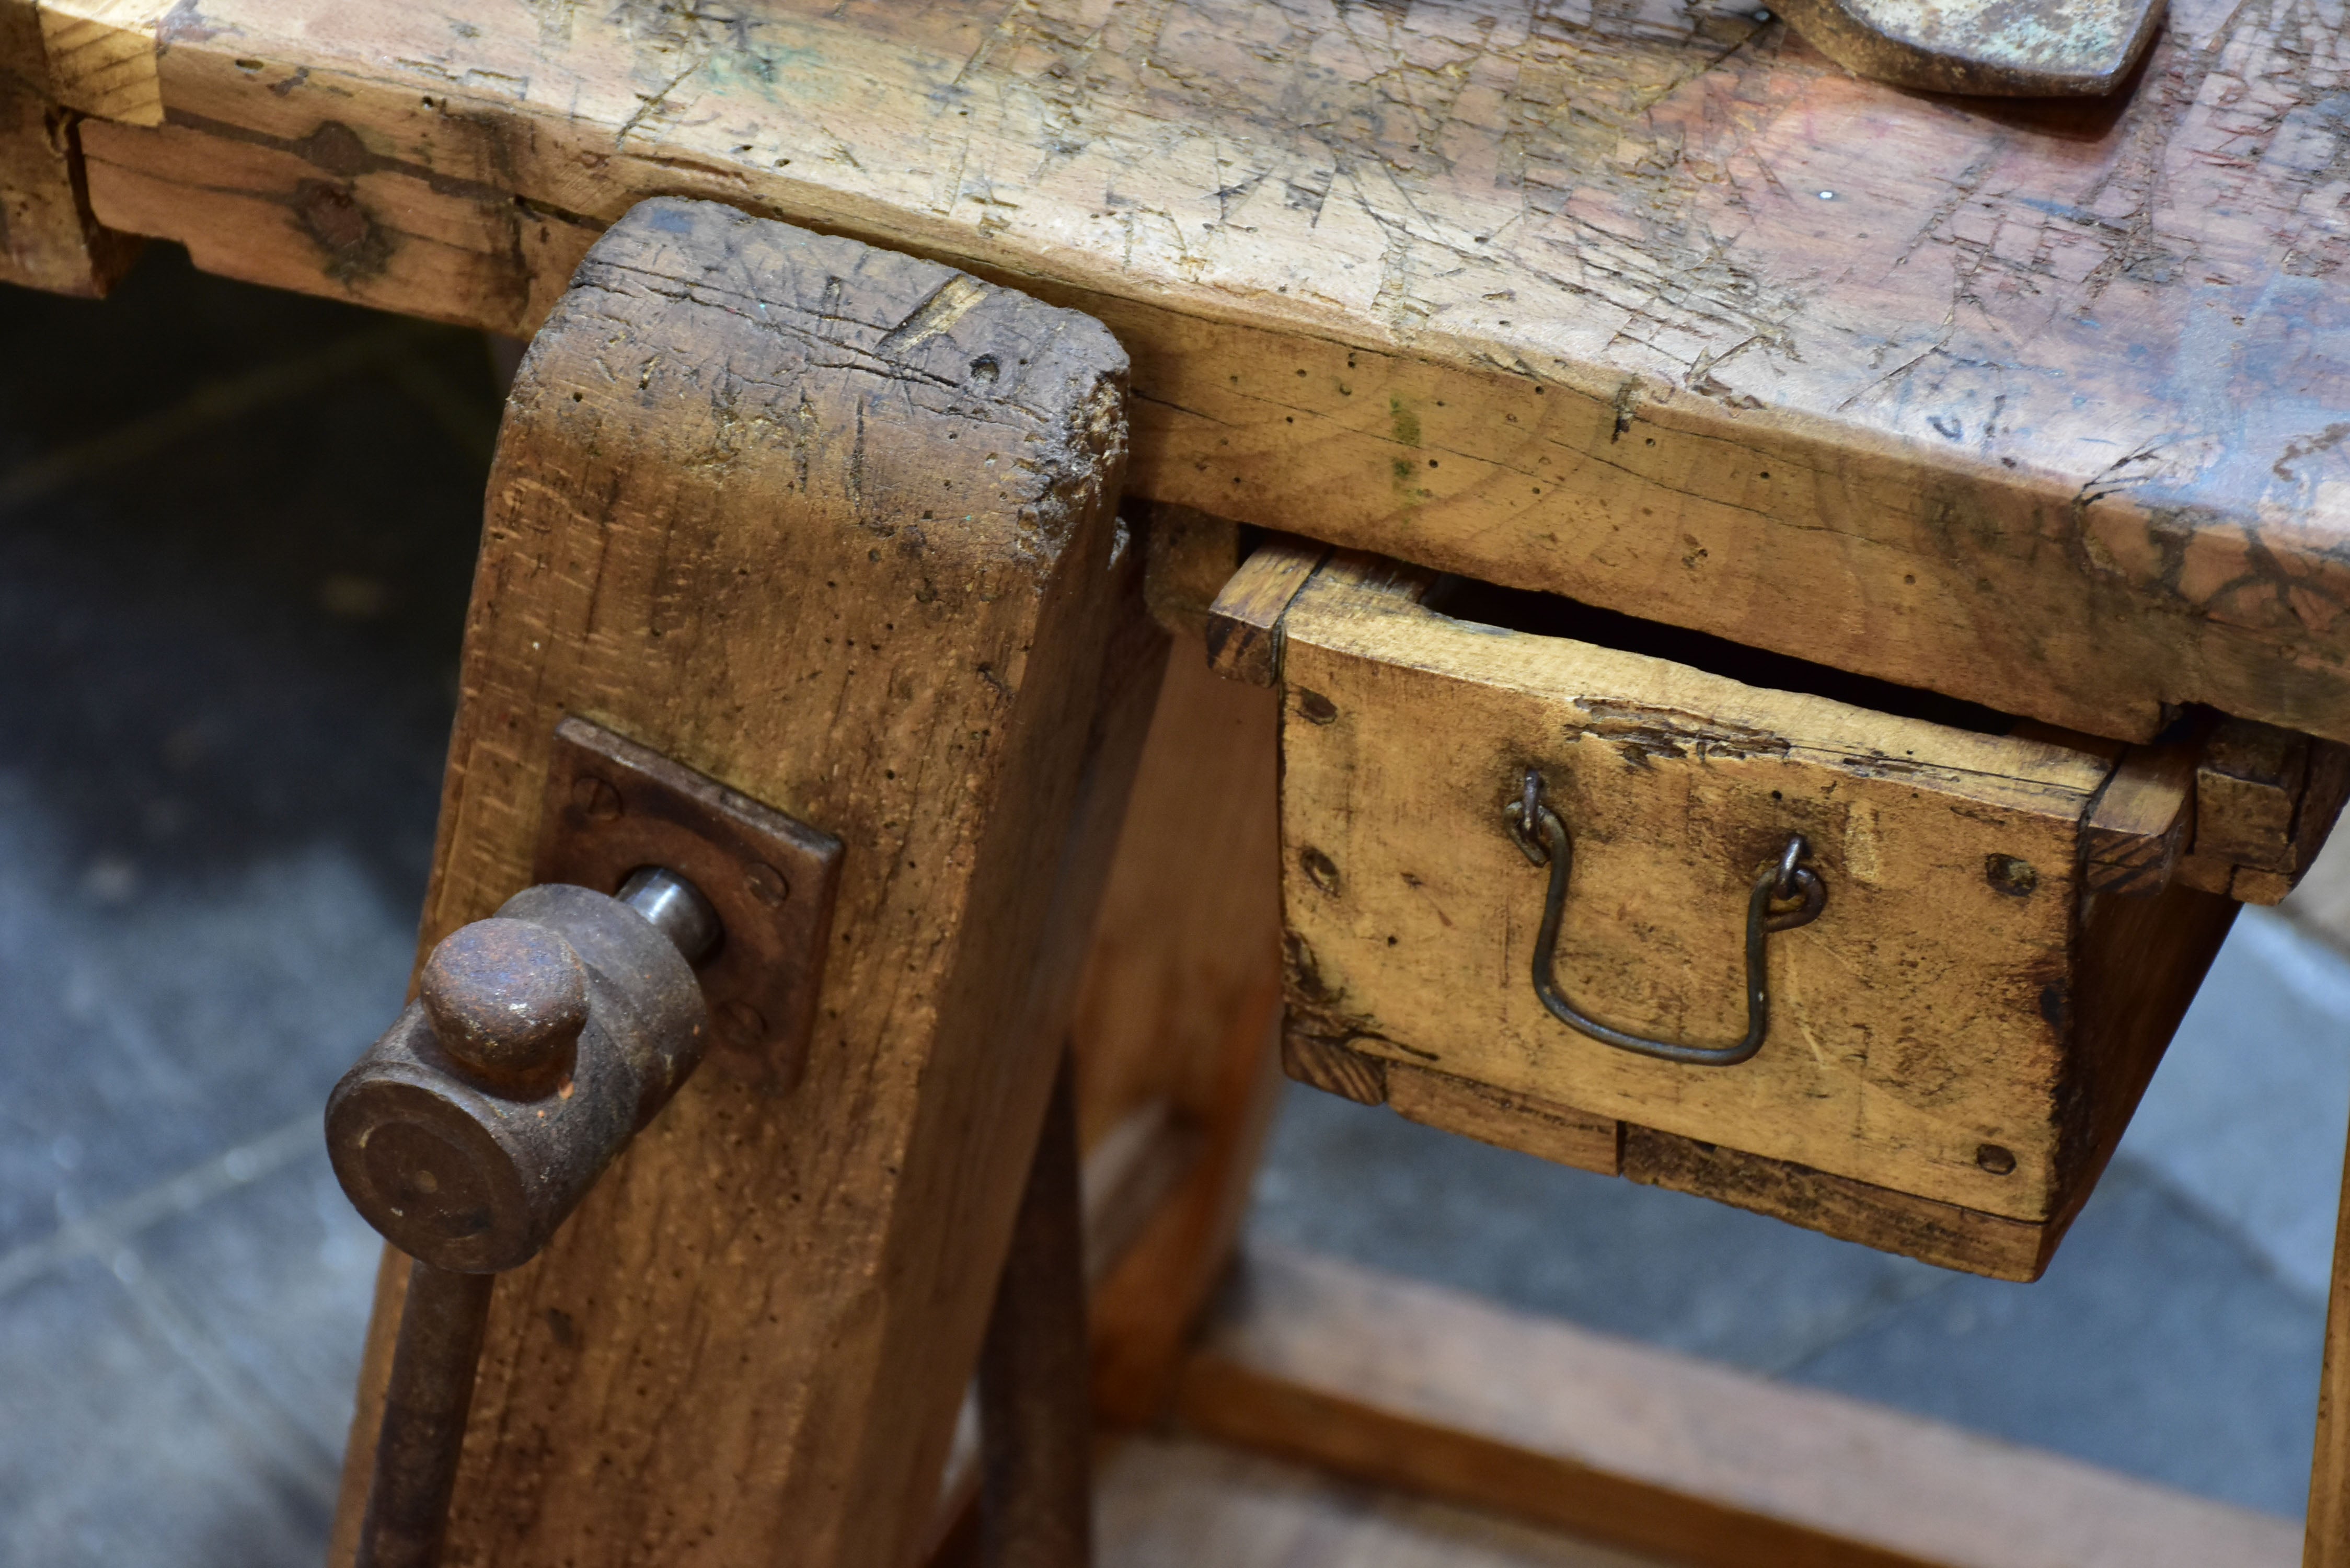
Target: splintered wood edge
[1244,623]
[1928,1229]
[1417,1387]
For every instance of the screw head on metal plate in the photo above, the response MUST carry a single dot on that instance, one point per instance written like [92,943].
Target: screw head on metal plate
[1996,48]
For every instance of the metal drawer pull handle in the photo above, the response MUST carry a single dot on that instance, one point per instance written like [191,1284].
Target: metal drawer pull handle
[1782,881]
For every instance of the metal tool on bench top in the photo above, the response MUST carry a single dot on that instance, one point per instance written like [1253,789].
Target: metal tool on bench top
[1998,48]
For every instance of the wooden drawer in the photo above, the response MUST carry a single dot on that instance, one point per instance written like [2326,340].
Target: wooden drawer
[1954,1043]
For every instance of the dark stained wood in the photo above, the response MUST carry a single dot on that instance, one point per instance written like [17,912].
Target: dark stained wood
[2036,405]
[754,1336]
[1332,1069]
[1177,1014]
[1921,1227]
[1036,1420]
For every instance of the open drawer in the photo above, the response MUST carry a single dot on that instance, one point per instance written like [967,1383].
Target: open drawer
[1944,1054]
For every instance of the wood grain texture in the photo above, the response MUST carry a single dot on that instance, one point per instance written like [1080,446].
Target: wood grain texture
[833,528]
[1918,1019]
[1177,1009]
[1945,1234]
[1409,1385]
[1557,1133]
[2248,790]
[102,57]
[1333,1066]
[48,238]
[2142,821]
[1244,621]
[1167,1501]
[1653,307]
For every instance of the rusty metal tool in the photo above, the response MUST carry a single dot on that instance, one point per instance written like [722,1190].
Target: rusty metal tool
[1994,48]
[541,1041]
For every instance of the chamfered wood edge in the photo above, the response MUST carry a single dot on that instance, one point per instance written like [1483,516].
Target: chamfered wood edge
[1420,1387]
[1557,1133]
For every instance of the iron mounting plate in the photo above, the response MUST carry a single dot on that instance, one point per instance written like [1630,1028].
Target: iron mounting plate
[613,806]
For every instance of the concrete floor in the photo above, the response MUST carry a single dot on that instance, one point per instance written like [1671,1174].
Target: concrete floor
[238,530]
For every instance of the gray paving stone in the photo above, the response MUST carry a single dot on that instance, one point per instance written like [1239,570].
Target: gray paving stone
[121,1453]
[2245,1118]
[2158,1343]
[230,660]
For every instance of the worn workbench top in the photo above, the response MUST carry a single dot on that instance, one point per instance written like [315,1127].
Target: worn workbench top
[1648,303]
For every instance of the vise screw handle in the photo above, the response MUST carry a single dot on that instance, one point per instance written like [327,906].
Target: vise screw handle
[541,1041]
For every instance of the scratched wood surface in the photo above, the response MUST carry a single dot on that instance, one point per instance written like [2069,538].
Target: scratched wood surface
[1959,1023]
[1637,301]
[749,1344]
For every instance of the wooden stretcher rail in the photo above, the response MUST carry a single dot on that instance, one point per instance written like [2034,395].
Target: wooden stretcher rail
[1409,1385]
[2031,405]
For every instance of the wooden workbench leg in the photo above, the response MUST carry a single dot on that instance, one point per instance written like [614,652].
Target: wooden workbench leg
[1179,1010]
[48,238]
[835,527]
[2328,1543]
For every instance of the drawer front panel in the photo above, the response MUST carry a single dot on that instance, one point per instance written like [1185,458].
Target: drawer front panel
[1920,1026]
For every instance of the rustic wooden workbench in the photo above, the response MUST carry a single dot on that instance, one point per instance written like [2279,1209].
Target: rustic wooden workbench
[2041,407]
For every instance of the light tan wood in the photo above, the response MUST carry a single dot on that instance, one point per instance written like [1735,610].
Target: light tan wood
[48,237]
[1244,622]
[1662,310]
[1180,1502]
[102,55]
[750,1342]
[1925,1029]
[1409,1386]
[1177,1011]
[2143,820]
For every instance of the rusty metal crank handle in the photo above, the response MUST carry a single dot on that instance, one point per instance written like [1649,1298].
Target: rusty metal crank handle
[541,1041]
[1542,837]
